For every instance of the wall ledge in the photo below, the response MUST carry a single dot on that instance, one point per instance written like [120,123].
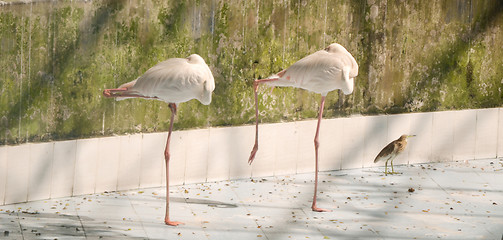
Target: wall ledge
[36,171]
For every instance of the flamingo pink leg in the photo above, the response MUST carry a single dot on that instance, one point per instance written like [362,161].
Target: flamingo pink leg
[316,145]
[120,92]
[255,147]
[316,138]
[110,93]
[255,88]
[172,106]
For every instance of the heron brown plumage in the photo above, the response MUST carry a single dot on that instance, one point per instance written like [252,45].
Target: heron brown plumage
[390,152]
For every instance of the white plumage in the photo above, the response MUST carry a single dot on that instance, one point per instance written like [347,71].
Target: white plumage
[321,72]
[175,80]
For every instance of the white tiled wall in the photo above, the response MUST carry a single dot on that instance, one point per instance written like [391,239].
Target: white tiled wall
[263,164]
[487,133]
[465,123]
[229,149]
[500,133]
[107,168]
[40,171]
[130,163]
[243,138]
[442,142]
[65,168]
[287,146]
[16,187]
[196,150]
[85,166]
[398,125]
[421,125]
[3,173]
[152,159]
[353,130]
[221,150]
[306,131]
[63,171]
[330,144]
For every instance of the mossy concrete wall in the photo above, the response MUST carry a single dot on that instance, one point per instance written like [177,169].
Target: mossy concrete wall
[414,56]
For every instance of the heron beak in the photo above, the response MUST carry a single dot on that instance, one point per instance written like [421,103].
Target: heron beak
[408,136]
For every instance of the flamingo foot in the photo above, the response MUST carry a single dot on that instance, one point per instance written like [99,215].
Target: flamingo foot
[253,153]
[107,93]
[316,209]
[118,92]
[172,223]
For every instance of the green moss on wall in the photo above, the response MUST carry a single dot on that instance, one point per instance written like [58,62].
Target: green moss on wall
[57,57]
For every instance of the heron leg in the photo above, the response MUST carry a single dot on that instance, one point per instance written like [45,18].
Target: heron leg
[316,145]
[172,106]
[392,170]
[255,89]
[386,167]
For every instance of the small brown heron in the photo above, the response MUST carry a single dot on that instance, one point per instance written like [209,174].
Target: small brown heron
[389,152]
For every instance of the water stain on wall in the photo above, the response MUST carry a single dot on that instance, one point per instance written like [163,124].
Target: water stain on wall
[414,56]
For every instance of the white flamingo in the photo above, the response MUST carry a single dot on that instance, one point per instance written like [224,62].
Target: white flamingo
[174,81]
[321,72]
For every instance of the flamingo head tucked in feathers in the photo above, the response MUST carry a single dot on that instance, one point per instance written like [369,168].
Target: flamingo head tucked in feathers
[195,59]
[350,70]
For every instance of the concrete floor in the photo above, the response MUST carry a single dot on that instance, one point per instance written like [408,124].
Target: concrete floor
[455,200]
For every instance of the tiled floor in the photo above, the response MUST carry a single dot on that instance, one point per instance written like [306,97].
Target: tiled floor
[458,200]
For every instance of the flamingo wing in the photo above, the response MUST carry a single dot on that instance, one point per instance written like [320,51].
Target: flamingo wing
[320,72]
[176,80]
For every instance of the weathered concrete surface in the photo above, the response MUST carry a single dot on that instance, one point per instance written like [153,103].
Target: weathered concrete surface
[57,57]
[456,200]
